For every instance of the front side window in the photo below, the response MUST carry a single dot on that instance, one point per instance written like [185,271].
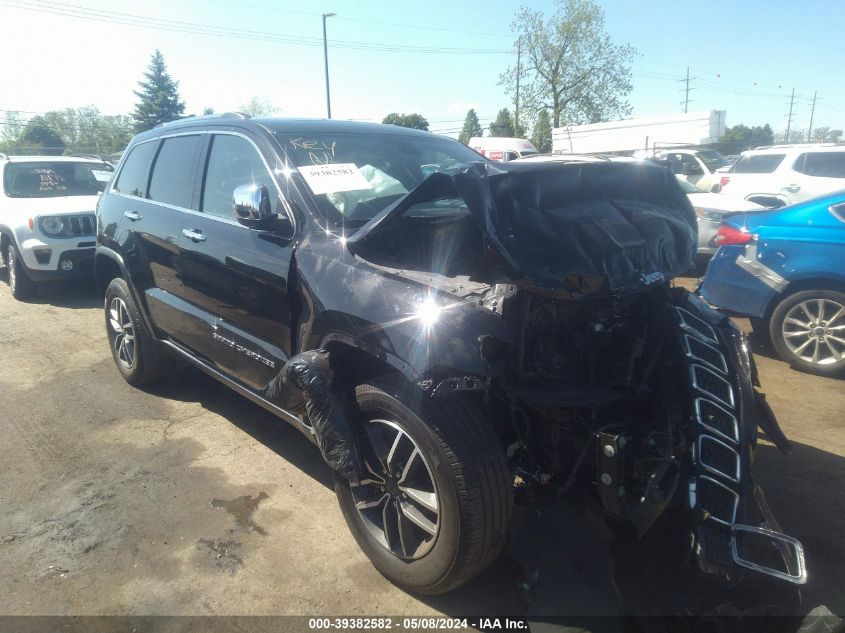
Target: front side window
[132,179]
[53,179]
[385,166]
[233,162]
[758,164]
[822,164]
[172,179]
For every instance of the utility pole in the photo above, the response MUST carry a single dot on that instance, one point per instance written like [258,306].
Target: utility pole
[516,100]
[686,100]
[789,118]
[326,62]
[812,112]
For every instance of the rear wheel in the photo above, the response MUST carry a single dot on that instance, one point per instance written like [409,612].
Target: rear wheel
[808,330]
[137,356]
[435,504]
[20,284]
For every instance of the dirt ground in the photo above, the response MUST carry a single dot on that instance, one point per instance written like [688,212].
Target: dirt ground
[187,499]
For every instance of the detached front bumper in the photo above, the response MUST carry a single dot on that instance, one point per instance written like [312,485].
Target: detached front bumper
[735,531]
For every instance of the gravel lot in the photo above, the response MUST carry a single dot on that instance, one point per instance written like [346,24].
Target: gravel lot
[188,499]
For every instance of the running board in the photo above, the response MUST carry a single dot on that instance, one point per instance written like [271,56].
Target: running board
[285,415]
[796,570]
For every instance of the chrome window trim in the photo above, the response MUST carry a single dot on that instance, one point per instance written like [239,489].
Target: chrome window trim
[695,384]
[700,419]
[712,469]
[690,354]
[174,207]
[724,487]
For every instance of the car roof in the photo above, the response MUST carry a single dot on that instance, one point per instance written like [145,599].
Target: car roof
[282,125]
[796,148]
[575,158]
[52,159]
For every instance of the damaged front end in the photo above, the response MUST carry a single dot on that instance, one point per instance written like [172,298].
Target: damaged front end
[599,376]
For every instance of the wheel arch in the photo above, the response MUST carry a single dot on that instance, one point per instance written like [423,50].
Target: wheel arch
[800,285]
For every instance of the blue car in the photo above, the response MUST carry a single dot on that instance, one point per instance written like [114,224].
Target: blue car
[785,269]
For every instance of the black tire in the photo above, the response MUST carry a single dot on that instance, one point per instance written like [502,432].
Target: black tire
[472,483]
[785,320]
[20,284]
[139,359]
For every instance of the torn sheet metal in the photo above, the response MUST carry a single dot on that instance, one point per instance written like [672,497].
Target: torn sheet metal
[309,379]
[570,228]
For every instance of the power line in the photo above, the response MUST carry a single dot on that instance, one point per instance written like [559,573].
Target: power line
[181,26]
[686,100]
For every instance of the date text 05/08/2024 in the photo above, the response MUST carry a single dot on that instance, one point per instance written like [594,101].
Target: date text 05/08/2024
[421,623]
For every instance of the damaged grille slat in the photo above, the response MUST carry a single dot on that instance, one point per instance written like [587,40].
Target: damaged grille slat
[718,458]
[716,419]
[692,323]
[716,500]
[702,352]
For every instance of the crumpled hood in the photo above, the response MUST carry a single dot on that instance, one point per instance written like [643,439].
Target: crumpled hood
[568,229]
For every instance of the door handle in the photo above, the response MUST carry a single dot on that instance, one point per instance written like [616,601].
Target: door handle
[134,216]
[194,235]
[792,188]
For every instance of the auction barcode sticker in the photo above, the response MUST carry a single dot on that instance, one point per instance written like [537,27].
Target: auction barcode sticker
[334,178]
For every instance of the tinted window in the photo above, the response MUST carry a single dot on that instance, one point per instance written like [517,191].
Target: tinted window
[172,181]
[684,164]
[759,164]
[713,159]
[132,179]
[822,164]
[55,179]
[233,162]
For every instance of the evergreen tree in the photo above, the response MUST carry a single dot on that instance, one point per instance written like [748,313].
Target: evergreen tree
[541,137]
[503,125]
[472,128]
[159,96]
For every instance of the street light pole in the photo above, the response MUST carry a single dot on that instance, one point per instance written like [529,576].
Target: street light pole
[326,62]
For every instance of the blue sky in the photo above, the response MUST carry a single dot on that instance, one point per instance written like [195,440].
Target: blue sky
[746,56]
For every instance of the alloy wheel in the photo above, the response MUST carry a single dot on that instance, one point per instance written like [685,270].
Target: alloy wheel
[814,330]
[123,332]
[398,500]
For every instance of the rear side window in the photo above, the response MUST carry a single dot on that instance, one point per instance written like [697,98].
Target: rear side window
[759,164]
[822,164]
[132,179]
[233,162]
[172,181]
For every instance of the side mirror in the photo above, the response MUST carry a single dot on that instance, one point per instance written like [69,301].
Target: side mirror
[252,206]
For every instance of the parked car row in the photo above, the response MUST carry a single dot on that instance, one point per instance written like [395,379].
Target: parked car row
[455,335]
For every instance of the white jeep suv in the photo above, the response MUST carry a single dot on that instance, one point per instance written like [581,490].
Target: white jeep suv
[47,224]
[779,175]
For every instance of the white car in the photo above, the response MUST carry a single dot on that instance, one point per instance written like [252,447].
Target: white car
[701,167]
[785,174]
[710,210]
[47,224]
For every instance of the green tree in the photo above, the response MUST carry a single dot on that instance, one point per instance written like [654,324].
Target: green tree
[259,107]
[472,128]
[570,65]
[503,125]
[208,110]
[739,138]
[38,138]
[834,136]
[413,120]
[12,125]
[159,96]
[541,137]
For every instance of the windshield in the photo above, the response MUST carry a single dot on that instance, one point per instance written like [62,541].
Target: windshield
[688,187]
[55,179]
[355,176]
[713,159]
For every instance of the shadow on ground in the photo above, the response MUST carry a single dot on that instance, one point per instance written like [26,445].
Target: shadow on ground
[563,560]
[71,293]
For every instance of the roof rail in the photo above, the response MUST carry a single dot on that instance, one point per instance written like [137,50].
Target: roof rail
[222,115]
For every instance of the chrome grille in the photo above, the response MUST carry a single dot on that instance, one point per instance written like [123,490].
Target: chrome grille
[716,419]
[704,353]
[718,458]
[692,323]
[709,382]
[716,500]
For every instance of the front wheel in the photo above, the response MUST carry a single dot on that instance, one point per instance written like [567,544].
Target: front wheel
[808,331]
[20,284]
[435,504]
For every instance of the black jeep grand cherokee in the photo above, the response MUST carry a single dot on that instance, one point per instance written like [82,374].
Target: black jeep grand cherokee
[453,334]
